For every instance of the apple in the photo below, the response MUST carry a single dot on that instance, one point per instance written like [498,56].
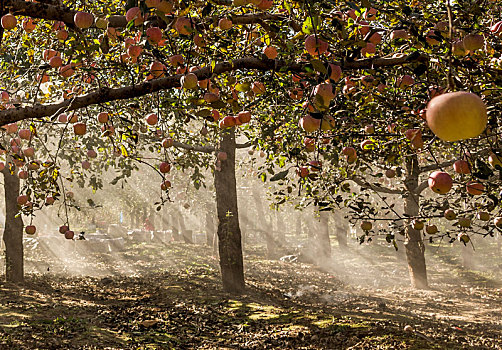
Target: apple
[399,34]
[431,229]
[222,156]
[258,88]
[464,238]
[440,182]
[183,26]
[458,49]
[69,234]
[56,62]
[79,128]
[418,225]
[335,72]
[101,23]
[199,41]
[244,117]
[164,167]
[296,94]
[189,81]
[270,52]
[366,225]
[483,216]
[22,199]
[302,171]
[225,24]
[367,145]
[473,42]
[103,117]
[496,28]
[475,188]
[70,195]
[309,123]
[176,60]
[164,6]
[22,174]
[495,161]
[349,151]
[134,51]
[29,152]
[309,144]
[165,185]
[405,81]
[323,93]
[49,200]
[315,46]
[390,173]
[375,38]
[327,123]
[8,21]
[2,166]
[28,25]
[315,165]
[154,35]
[83,20]
[461,167]
[227,122]
[157,69]
[369,129]
[62,35]
[134,14]
[449,214]
[464,222]
[166,143]
[30,230]
[456,116]
[4,96]
[369,49]
[91,153]
[264,4]
[498,221]
[85,165]
[152,119]
[66,71]
[25,134]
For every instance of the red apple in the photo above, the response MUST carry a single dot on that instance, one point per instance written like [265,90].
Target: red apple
[79,128]
[461,167]
[83,19]
[30,230]
[152,119]
[475,188]
[440,182]
[164,167]
[8,21]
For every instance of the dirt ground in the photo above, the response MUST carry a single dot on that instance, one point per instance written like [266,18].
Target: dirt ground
[167,296]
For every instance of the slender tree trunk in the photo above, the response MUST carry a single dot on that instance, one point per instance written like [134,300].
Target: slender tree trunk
[229,233]
[322,244]
[209,228]
[13,233]
[266,227]
[298,226]
[414,245]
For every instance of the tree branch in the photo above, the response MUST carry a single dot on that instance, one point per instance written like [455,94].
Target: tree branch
[243,145]
[106,94]
[65,14]
[374,187]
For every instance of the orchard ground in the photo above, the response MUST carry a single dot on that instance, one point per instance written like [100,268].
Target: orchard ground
[158,295]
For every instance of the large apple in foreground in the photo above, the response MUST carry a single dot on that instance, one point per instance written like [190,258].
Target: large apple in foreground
[456,116]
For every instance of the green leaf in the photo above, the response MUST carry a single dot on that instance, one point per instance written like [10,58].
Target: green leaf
[280,176]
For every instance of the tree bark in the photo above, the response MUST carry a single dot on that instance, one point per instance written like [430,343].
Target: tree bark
[13,233]
[414,245]
[229,233]
[322,244]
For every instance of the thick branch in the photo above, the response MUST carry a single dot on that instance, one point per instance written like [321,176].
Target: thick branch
[374,187]
[103,95]
[196,148]
[422,186]
[64,14]
[243,145]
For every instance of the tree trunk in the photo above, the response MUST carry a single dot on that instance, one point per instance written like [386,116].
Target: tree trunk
[13,233]
[266,227]
[322,244]
[229,233]
[414,245]
[298,226]
[341,234]
[209,228]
